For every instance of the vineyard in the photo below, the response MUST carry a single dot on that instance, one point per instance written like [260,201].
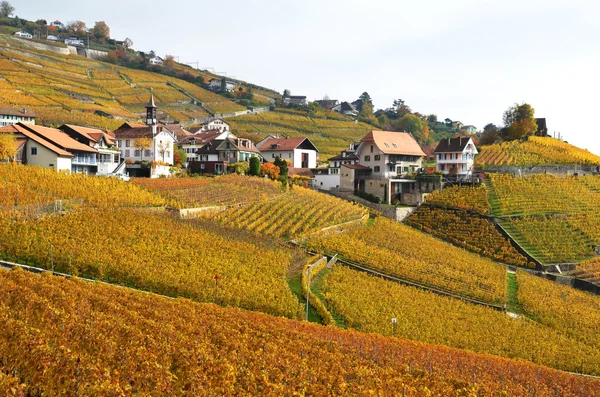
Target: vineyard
[575,312]
[544,194]
[22,185]
[534,151]
[294,214]
[67,337]
[467,231]
[473,198]
[222,190]
[401,251]
[329,131]
[588,270]
[154,252]
[369,303]
[72,89]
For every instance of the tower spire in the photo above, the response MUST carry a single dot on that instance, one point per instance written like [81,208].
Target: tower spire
[151,111]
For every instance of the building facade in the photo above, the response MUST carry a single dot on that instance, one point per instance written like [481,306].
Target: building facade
[455,156]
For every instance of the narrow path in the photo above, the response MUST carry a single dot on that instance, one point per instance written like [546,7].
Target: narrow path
[513,307]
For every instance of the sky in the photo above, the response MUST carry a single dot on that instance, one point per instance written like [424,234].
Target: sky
[466,60]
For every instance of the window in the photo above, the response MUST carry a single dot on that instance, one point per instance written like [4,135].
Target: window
[386,145]
[273,155]
[393,144]
[127,153]
[371,148]
[147,153]
[376,168]
[289,155]
[136,153]
[33,151]
[201,166]
[116,158]
[168,154]
[367,158]
[127,143]
[377,157]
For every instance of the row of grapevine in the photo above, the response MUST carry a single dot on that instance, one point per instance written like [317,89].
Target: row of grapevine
[473,198]
[67,337]
[402,251]
[369,303]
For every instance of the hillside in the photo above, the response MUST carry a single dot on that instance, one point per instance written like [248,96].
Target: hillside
[531,152]
[73,89]
[330,132]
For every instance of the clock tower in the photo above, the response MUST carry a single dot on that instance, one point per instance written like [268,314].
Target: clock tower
[151,112]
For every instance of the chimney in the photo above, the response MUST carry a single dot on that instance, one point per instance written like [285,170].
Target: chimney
[24,110]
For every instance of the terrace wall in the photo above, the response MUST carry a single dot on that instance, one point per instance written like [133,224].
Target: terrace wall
[560,169]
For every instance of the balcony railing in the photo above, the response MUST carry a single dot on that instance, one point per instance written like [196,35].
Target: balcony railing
[84,160]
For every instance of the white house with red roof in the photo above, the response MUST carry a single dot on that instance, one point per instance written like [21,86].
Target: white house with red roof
[109,155]
[9,115]
[300,152]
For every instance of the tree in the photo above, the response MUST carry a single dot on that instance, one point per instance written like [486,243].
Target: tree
[254,166]
[77,28]
[127,43]
[490,134]
[366,113]
[142,144]
[6,9]
[240,168]
[179,156]
[286,93]
[432,118]
[283,169]
[8,146]
[270,169]
[365,97]
[519,121]
[101,30]
[169,62]
[415,125]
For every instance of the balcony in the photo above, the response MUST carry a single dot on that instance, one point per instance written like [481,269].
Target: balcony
[84,160]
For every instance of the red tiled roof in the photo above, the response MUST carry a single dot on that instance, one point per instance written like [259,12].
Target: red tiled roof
[22,112]
[136,132]
[59,138]
[301,172]
[93,134]
[18,129]
[390,142]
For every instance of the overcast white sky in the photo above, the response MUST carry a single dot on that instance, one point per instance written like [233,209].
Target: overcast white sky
[464,59]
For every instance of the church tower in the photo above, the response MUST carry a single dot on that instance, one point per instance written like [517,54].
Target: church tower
[151,112]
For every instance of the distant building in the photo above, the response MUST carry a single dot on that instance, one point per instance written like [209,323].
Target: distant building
[457,125]
[216,155]
[212,125]
[23,34]
[109,156]
[346,108]
[542,129]
[471,129]
[156,61]
[52,38]
[455,156]
[328,104]
[217,85]
[294,100]
[57,24]
[74,41]
[10,115]
[329,178]
[299,151]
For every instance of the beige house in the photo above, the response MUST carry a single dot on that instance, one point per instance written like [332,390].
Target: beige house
[10,115]
[389,162]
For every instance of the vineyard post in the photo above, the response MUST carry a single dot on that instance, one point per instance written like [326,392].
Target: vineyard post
[216,288]
[51,258]
[394,326]
[307,288]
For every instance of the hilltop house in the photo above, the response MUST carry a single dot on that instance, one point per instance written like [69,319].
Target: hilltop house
[57,24]
[214,156]
[329,178]
[156,61]
[23,34]
[212,125]
[471,129]
[387,165]
[346,108]
[294,100]
[52,37]
[10,115]
[456,125]
[160,151]
[328,104]
[299,151]
[217,84]
[455,156]
[52,148]
[109,156]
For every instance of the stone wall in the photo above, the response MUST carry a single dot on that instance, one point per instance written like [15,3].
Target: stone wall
[396,213]
[560,169]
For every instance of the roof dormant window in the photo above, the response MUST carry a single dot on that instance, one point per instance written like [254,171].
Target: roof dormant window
[394,145]
[386,144]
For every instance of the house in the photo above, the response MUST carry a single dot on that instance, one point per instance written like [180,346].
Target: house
[23,34]
[52,148]
[358,105]
[217,85]
[346,108]
[10,115]
[109,155]
[73,40]
[191,144]
[299,151]
[457,125]
[471,129]
[52,38]
[57,24]
[156,61]
[542,129]
[294,100]
[212,125]
[455,156]
[329,178]
[387,165]
[159,151]
[215,156]
[177,130]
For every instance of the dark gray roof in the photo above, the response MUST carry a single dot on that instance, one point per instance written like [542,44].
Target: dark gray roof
[452,145]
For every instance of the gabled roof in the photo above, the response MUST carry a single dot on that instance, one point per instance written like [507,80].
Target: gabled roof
[284,144]
[390,142]
[351,156]
[21,112]
[301,172]
[88,133]
[356,166]
[19,129]
[178,130]
[236,144]
[457,144]
[59,138]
